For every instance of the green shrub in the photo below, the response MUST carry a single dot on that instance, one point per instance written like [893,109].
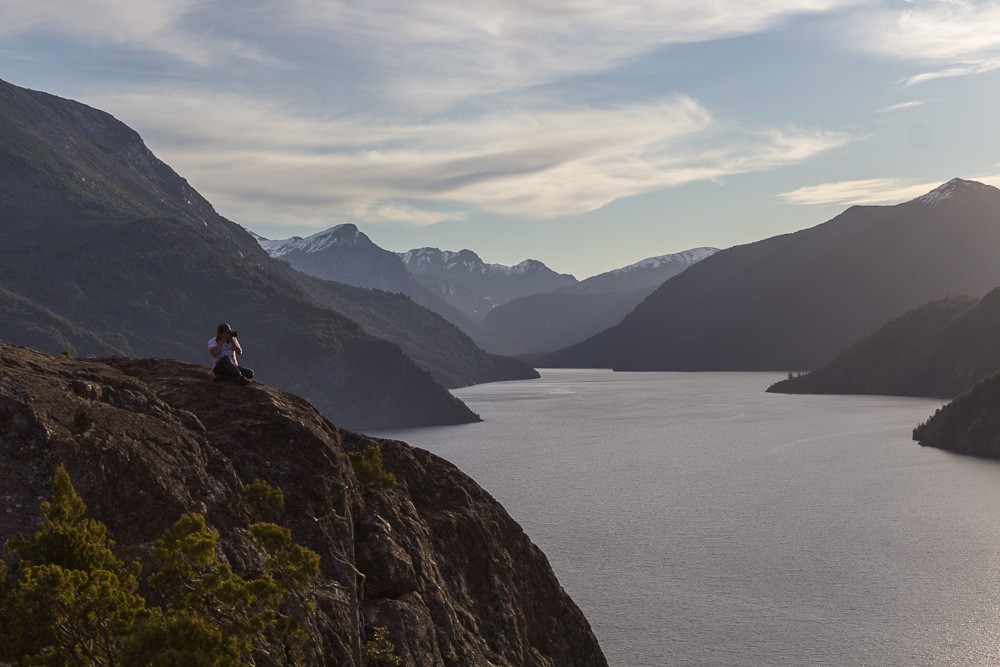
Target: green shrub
[263,502]
[378,651]
[70,601]
[369,468]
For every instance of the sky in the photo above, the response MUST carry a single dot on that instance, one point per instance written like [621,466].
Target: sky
[588,134]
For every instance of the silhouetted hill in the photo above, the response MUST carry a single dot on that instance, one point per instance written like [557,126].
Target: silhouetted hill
[940,349]
[547,322]
[442,348]
[797,300]
[105,250]
[968,425]
[432,557]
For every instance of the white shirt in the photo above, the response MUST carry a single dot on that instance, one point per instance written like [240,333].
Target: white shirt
[225,350]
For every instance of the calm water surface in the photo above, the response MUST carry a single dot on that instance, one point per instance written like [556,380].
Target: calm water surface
[697,520]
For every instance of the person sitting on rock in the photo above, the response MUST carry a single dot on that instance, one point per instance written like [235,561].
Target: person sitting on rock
[224,349]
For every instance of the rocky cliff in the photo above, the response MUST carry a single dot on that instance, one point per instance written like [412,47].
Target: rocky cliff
[433,558]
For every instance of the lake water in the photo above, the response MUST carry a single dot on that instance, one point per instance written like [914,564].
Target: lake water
[697,520]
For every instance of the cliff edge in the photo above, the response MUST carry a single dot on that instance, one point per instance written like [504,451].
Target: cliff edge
[433,558]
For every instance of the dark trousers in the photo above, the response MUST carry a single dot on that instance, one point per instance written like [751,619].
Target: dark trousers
[227,370]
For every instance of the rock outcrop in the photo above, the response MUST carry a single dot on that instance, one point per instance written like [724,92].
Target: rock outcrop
[434,558]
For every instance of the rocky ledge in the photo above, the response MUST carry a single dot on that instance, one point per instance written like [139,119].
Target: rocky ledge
[432,558]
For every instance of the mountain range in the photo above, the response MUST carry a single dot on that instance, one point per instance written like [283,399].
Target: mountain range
[504,309]
[470,284]
[345,254]
[105,250]
[795,301]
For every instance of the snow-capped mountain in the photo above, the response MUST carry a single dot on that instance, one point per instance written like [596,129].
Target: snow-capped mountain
[465,281]
[950,189]
[646,274]
[341,236]
[346,255]
[466,262]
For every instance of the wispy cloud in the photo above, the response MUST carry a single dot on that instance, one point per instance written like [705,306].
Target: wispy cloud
[436,54]
[169,28]
[869,191]
[952,37]
[429,53]
[902,106]
[419,112]
[260,163]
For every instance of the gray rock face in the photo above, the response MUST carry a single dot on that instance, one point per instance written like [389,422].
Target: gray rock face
[434,559]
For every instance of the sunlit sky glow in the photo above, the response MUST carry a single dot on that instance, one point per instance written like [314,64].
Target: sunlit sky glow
[588,134]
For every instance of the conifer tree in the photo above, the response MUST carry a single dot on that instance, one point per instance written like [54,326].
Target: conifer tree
[72,601]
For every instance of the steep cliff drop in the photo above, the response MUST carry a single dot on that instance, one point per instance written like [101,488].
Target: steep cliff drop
[432,558]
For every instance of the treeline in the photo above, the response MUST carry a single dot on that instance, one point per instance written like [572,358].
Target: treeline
[67,599]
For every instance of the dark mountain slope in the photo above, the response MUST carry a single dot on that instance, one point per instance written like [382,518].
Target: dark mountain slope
[98,235]
[442,348]
[346,255]
[434,558]
[940,349]
[968,425]
[647,274]
[547,322]
[893,360]
[797,300]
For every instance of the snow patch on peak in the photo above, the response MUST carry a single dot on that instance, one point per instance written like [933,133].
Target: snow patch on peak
[338,236]
[940,193]
[518,269]
[686,257]
[947,190]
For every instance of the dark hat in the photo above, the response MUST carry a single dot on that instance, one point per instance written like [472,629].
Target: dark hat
[223,328]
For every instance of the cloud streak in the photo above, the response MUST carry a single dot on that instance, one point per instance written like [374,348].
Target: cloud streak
[261,163]
[168,28]
[868,191]
[953,37]
[437,55]
[902,106]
